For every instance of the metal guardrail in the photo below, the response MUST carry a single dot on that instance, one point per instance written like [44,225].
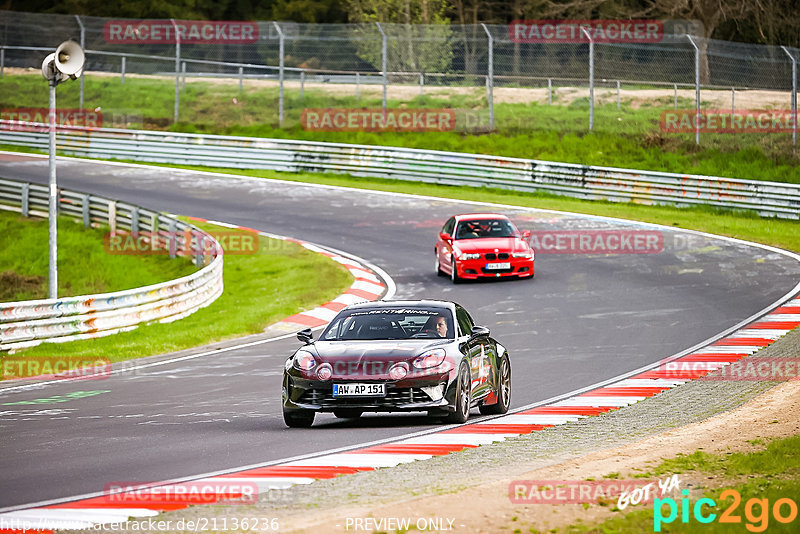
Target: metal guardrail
[28,323]
[452,168]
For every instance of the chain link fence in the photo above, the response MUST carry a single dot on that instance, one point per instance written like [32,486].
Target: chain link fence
[491,81]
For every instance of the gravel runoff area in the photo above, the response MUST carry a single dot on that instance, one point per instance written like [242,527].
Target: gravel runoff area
[324,505]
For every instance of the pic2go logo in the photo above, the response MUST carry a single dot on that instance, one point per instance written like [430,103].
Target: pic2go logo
[756,511]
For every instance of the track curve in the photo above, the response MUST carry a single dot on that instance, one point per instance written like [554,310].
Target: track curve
[582,320]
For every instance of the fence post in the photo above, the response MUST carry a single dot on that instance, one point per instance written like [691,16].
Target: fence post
[617,94]
[697,89]
[183,75]
[733,103]
[135,221]
[122,77]
[549,91]
[280,73]
[421,84]
[171,243]
[241,76]
[591,78]
[383,62]
[83,47]
[302,84]
[490,77]
[794,99]
[358,86]
[177,71]
[676,97]
[2,60]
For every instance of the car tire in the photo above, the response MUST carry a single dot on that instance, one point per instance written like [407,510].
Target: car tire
[298,418]
[503,391]
[348,413]
[453,271]
[463,400]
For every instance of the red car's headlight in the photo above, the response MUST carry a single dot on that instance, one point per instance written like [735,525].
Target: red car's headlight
[525,254]
[432,358]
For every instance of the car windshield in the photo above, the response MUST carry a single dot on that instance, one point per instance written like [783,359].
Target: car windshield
[480,228]
[391,323]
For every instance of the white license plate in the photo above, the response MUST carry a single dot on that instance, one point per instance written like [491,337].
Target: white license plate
[359,390]
[498,266]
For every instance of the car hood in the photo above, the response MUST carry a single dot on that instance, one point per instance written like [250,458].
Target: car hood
[374,350]
[489,244]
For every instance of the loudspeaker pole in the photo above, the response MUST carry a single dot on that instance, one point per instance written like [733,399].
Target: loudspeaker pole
[65,63]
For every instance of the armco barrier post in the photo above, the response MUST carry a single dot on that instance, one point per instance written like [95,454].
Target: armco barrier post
[280,73]
[122,70]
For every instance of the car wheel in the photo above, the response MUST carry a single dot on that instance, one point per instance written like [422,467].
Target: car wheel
[439,271]
[503,391]
[463,398]
[453,271]
[298,418]
[348,413]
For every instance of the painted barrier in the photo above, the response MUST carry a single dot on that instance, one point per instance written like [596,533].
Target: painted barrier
[452,168]
[28,323]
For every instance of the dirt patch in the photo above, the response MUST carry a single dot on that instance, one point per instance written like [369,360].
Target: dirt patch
[487,508]
[14,286]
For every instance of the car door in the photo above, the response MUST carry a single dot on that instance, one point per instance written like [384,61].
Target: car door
[479,352]
[443,248]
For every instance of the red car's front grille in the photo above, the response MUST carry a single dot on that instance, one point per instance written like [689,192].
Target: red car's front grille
[492,256]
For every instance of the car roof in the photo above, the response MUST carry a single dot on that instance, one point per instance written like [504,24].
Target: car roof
[470,216]
[408,303]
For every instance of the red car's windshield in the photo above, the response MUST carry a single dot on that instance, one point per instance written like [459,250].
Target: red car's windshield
[480,228]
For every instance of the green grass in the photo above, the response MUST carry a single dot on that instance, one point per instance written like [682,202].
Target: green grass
[281,279]
[84,265]
[772,474]
[628,138]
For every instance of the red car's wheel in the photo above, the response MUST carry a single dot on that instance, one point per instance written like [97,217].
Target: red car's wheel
[453,270]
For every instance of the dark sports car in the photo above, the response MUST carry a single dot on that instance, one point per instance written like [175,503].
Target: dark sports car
[397,356]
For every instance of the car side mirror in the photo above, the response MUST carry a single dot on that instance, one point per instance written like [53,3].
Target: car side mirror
[526,234]
[445,237]
[305,336]
[478,331]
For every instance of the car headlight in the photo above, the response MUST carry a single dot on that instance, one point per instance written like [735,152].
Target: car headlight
[526,254]
[465,256]
[432,358]
[304,360]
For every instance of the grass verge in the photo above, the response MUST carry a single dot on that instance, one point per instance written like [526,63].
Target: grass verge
[760,478]
[280,279]
[84,265]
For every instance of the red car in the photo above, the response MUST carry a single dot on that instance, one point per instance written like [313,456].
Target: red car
[480,245]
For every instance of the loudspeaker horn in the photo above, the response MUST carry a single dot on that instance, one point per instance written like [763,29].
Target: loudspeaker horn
[69,59]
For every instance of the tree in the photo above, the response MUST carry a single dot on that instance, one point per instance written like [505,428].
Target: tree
[418,34]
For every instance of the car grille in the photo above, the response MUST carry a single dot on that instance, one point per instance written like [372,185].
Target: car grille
[394,396]
[492,256]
